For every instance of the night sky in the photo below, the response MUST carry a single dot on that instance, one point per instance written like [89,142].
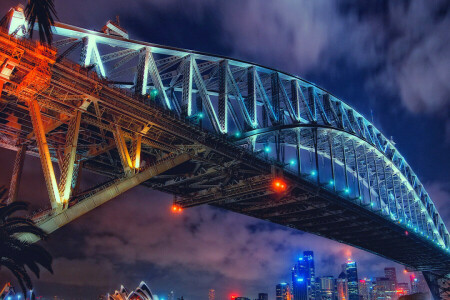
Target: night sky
[390,60]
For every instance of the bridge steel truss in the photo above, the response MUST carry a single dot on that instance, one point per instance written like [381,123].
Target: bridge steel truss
[241,125]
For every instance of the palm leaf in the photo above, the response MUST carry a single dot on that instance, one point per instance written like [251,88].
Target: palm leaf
[17,255]
[43,12]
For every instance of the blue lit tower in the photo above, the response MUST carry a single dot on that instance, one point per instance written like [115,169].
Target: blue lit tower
[303,279]
[308,256]
[352,280]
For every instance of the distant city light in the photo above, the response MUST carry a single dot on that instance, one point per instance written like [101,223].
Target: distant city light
[267,149]
[200,115]
[237,134]
[347,190]
[331,182]
[300,279]
[313,173]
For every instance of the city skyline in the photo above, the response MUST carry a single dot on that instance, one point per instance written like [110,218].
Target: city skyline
[161,248]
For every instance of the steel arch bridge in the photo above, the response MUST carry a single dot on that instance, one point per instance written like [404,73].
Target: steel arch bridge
[209,130]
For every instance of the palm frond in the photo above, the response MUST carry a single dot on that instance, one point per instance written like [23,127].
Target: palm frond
[15,254]
[43,12]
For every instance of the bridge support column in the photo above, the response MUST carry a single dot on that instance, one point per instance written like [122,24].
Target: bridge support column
[136,151]
[17,173]
[250,101]
[70,151]
[186,95]
[156,79]
[125,158]
[295,98]
[357,173]
[298,150]
[223,96]
[44,154]
[142,72]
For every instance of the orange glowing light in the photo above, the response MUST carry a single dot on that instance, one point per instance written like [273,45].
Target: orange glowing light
[176,208]
[279,185]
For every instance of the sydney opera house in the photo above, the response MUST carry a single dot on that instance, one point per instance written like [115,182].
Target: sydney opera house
[142,292]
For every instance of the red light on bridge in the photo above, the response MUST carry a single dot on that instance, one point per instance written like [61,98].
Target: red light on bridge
[279,185]
[406,233]
[176,208]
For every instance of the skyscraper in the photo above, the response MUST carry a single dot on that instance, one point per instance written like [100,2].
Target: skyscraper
[341,286]
[263,296]
[212,294]
[308,256]
[391,274]
[303,277]
[352,280]
[384,288]
[327,288]
[300,273]
[283,292]
[365,289]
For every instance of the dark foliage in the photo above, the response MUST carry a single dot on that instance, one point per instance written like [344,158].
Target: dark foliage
[43,12]
[15,254]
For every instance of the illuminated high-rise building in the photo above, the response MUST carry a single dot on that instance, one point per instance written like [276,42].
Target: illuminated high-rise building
[384,288]
[391,273]
[211,294]
[341,286]
[300,274]
[327,288]
[308,256]
[263,296]
[352,280]
[283,291]
[365,289]
[303,277]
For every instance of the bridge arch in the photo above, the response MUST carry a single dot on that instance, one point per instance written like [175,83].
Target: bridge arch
[162,97]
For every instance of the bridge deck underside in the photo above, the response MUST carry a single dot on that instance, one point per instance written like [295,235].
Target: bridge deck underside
[338,219]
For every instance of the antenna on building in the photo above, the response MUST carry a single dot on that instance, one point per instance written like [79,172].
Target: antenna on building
[118,20]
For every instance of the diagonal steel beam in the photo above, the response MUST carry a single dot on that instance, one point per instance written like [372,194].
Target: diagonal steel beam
[70,151]
[17,173]
[102,195]
[44,154]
